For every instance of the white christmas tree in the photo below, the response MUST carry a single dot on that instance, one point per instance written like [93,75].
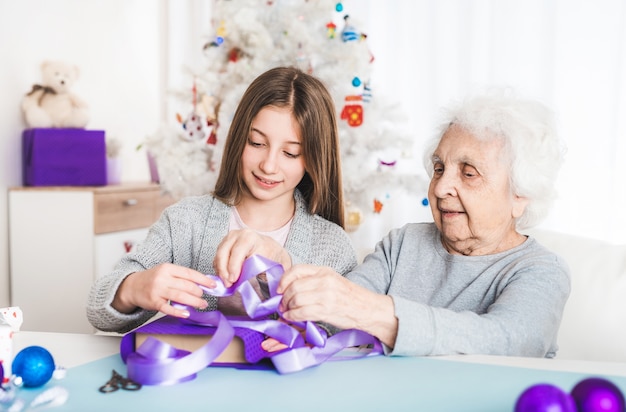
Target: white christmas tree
[251,36]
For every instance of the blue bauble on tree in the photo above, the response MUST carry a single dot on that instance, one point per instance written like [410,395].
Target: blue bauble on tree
[34,365]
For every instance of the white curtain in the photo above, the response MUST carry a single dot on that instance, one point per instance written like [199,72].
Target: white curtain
[570,54]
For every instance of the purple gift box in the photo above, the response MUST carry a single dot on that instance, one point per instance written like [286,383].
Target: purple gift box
[64,157]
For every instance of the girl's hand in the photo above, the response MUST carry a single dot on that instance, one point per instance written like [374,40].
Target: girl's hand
[155,288]
[239,245]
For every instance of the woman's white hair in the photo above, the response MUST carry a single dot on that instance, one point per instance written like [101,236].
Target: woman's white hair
[534,149]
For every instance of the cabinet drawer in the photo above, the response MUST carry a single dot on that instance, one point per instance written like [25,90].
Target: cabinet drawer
[119,211]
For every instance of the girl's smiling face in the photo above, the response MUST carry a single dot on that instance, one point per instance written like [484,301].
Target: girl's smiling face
[272,160]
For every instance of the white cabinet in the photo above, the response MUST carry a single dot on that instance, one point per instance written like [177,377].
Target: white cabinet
[62,238]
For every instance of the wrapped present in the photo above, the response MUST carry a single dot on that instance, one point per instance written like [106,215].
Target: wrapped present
[237,339]
[64,157]
[243,350]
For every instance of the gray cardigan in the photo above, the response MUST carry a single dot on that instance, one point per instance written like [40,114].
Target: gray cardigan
[188,233]
[508,303]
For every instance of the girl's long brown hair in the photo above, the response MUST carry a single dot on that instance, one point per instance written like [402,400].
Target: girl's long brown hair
[314,110]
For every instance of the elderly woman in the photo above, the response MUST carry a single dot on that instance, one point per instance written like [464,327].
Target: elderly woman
[470,282]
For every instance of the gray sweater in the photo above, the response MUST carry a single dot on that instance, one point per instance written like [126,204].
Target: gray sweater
[188,233]
[509,303]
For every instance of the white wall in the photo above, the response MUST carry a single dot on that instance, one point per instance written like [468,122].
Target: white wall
[117,46]
[570,53]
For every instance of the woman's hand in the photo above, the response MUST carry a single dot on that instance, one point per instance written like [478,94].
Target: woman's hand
[155,288]
[239,245]
[320,294]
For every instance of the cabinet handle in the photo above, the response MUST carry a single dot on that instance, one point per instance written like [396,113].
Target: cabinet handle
[130,202]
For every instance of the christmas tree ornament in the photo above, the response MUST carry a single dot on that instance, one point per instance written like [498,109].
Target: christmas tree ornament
[598,395]
[220,33]
[234,54]
[339,7]
[213,135]
[194,124]
[366,96]
[352,111]
[382,165]
[194,127]
[209,108]
[349,32]
[378,206]
[331,30]
[354,218]
[34,365]
[545,397]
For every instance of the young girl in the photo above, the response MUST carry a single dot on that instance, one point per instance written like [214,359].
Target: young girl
[278,194]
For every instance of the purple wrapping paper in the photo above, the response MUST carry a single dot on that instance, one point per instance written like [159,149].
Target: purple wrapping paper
[168,325]
[64,157]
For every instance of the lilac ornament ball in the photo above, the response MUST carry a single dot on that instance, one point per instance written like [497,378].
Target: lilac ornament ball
[34,365]
[598,395]
[545,398]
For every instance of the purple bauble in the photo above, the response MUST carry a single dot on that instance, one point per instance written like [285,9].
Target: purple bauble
[34,365]
[598,395]
[545,398]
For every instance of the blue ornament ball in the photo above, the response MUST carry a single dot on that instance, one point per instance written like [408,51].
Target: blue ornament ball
[545,398]
[34,365]
[598,395]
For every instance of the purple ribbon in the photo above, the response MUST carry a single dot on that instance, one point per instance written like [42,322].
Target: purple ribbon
[158,363]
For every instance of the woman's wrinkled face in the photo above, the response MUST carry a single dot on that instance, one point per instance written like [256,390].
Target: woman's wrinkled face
[470,194]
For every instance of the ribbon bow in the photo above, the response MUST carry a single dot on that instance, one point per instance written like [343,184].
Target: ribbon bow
[157,363]
[46,90]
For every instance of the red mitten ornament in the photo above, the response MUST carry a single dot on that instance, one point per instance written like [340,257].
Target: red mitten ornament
[353,110]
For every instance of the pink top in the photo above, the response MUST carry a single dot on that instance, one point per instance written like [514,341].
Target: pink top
[279,235]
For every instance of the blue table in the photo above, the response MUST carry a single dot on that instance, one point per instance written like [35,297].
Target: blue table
[367,384]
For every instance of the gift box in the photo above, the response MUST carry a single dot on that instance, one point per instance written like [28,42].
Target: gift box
[243,351]
[64,157]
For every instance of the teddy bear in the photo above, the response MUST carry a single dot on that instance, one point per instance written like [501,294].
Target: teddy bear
[52,104]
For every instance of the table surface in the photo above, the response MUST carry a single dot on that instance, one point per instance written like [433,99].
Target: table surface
[446,383]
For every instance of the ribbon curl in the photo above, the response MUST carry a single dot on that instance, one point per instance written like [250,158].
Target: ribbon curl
[157,363]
